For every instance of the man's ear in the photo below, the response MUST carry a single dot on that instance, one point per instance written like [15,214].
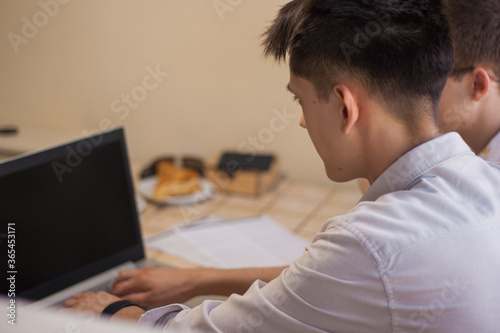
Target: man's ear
[349,111]
[480,83]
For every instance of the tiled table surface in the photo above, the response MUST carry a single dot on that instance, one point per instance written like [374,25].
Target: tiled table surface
[300,206]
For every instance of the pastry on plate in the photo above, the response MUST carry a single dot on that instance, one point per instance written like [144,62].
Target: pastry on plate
[175,181]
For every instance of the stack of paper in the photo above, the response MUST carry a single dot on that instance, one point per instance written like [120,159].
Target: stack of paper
[256,241]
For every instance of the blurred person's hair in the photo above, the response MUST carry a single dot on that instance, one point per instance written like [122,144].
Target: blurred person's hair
[475,29]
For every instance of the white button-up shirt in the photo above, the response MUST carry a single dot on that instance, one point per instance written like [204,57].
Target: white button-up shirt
[419,253]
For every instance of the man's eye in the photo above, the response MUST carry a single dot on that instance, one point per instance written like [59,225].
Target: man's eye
[295,99]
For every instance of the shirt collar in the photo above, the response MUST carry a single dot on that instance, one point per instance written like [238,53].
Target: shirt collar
[492,150]
[414,163]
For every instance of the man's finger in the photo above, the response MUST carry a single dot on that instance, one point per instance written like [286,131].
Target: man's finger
[126,274]
[127,287]
[123,276]
[70,302]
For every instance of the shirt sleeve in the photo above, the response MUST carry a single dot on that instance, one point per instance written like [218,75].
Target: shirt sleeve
[321,291]
[159,317]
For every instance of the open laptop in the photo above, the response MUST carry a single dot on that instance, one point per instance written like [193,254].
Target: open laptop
[72,211]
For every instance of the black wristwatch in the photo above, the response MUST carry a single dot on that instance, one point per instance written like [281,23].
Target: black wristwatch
[116,306]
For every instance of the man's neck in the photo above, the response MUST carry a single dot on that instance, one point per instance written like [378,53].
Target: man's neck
[486,125]
[384,147]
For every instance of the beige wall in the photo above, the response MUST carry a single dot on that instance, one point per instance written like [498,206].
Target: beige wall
[87,55]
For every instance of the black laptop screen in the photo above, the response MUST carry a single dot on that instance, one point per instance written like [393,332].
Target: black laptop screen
[73,211]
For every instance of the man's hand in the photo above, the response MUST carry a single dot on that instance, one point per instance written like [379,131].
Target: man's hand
[154,287]
[96,302]
[90,301]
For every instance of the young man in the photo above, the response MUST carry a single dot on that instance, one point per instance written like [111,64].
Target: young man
[471,98]
[421,251]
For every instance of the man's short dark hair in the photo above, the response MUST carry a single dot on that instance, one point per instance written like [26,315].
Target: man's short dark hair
[401,51]
[475,28]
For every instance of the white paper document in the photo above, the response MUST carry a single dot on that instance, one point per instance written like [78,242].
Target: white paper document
[256,241]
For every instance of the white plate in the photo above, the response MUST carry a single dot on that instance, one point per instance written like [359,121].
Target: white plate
[147,188]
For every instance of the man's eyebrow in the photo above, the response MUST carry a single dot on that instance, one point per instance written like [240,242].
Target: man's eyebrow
[289,89]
